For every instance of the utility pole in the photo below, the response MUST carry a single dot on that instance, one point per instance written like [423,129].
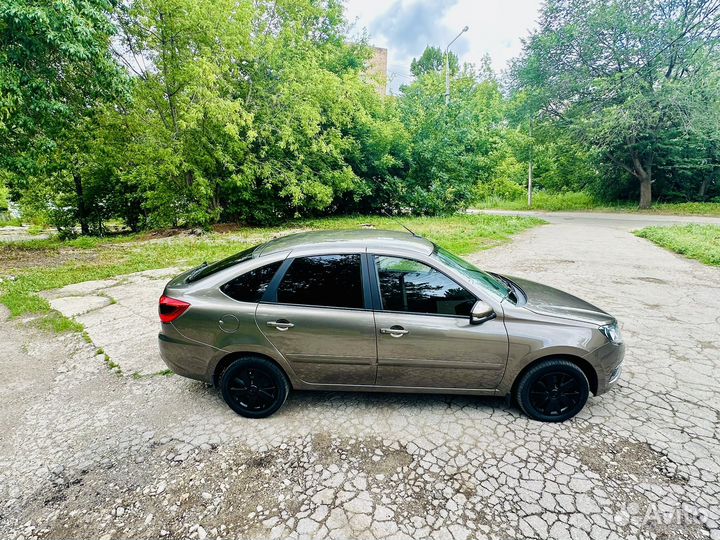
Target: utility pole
[530,167]
[447,66]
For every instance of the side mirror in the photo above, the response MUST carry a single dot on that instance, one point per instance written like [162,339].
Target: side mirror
[481,312]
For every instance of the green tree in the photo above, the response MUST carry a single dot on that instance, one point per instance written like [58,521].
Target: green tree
[612,72]
[432,60]
[246,111]
[55,68]
[185,58]
[308,101]
[452,147]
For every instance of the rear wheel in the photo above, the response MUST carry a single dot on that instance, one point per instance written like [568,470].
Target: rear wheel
[553,391]
[254,387]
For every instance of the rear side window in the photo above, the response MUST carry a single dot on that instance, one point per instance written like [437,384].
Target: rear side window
[326,280]
[206,270]
[407,285]
[250,286]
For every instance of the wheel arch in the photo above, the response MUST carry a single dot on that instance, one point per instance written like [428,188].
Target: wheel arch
[586,367]
[229,358]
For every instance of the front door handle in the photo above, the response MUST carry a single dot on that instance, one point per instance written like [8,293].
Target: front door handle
[281,324]
[394,331]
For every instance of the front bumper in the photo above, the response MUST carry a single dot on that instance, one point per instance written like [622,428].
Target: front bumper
[607,361]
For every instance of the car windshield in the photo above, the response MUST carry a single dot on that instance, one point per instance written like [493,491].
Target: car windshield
[471,272]
[204,270]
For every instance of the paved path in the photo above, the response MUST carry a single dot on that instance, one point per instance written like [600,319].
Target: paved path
[627,221]
[88,453]
[18,234]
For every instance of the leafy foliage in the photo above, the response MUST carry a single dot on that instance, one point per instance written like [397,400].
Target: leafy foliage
[626,78]
[453,147]
[56,68]
[187,112]
[432,60]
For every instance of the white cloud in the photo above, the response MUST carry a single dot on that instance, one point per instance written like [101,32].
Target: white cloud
[405,27]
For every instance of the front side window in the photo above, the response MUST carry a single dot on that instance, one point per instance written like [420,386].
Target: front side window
[251,286]
[407,285]
[472,272]
[325,280]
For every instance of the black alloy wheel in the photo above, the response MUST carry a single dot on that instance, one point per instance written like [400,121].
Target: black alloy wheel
[553,391]
[254,387]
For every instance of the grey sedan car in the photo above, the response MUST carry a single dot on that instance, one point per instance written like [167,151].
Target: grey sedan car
[384,311]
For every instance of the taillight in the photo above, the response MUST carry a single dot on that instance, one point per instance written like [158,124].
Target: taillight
[171,309]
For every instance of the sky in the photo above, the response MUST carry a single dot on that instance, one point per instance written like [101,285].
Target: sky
[405,27]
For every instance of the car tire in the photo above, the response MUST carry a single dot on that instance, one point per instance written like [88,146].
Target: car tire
[254,387]
[553,390]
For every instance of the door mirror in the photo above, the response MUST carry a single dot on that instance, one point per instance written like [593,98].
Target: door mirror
[481,312]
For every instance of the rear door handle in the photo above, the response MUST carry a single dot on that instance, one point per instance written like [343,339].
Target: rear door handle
[281,324]
[394,331]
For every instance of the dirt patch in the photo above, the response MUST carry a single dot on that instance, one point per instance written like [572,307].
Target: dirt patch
[231,492]
[369,454]
[17,258]
[630,460]
[235,492]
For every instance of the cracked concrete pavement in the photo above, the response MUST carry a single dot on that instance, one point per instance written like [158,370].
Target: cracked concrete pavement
[87,452]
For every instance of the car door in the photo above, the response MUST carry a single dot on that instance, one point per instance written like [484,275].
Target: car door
[317,314]
[424,335]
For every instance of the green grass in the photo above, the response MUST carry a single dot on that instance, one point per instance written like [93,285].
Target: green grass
[163,373]
[543,200]
[700,242]
[107,257]
[55,321]
[113,366]
[685,209]
[54,242]
[6,221]
[577,201]
[461,233]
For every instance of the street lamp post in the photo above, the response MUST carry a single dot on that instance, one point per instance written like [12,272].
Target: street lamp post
[447,66]
[530,167]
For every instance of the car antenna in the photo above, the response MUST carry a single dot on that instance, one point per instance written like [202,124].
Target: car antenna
[400,223]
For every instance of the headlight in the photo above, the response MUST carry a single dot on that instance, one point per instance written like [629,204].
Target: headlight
[612,332]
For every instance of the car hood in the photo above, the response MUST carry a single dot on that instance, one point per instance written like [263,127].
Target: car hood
[545,300]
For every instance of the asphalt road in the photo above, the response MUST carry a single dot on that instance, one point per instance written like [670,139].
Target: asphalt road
[627,221]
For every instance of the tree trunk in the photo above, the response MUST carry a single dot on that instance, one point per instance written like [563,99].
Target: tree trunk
[645,191]
[643,172]
[82,211]
[703,188]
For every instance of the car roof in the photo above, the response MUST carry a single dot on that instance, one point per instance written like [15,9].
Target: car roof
[351,238]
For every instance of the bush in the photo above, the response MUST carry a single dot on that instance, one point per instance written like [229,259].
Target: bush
[500,188]
[542,200]
[569,200]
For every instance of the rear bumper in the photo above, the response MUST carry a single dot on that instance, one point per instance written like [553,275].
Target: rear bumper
[187,358]
[607,361]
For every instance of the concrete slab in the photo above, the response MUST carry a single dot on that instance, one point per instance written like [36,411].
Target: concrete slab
[72,306]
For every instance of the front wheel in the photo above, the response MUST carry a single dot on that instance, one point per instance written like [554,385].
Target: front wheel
[552,391]
[254,387]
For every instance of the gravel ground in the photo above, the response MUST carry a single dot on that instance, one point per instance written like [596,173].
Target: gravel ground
[92,452]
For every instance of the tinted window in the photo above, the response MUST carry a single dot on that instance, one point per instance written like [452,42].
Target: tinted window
[483,279]
[206,270]
[327,280]
[250,286]
[407,285]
